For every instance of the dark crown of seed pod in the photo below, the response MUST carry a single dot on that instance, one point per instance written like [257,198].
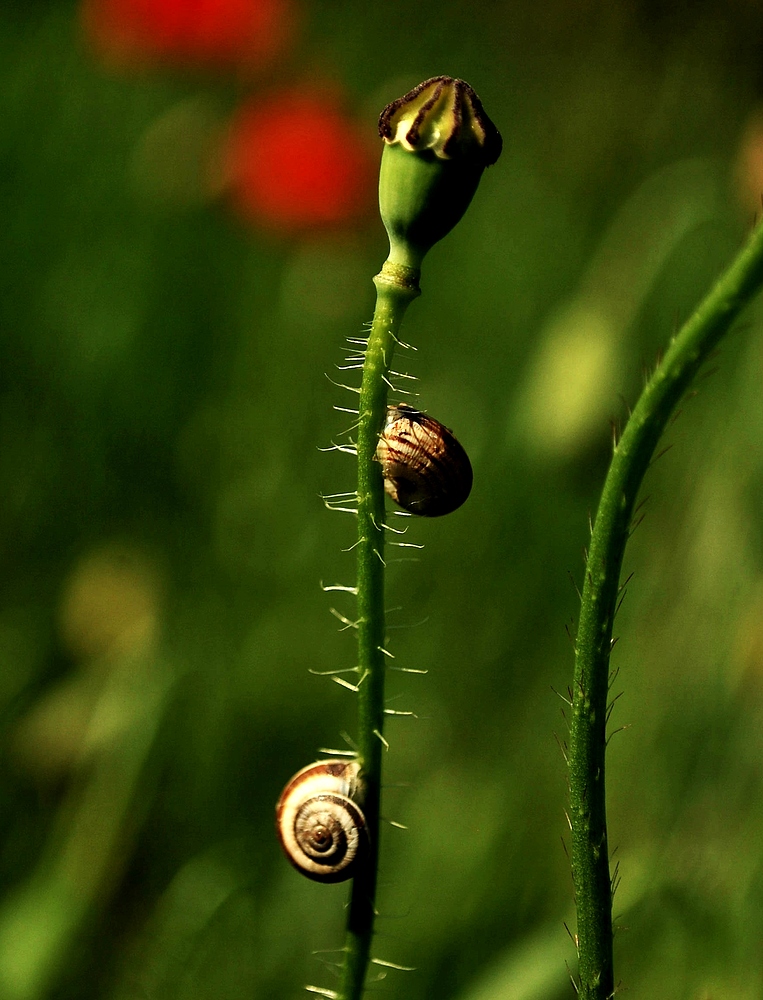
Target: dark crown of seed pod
[445,115]
[426,471]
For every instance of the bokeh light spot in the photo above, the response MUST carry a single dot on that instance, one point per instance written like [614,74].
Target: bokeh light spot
[192,31]
[296,161]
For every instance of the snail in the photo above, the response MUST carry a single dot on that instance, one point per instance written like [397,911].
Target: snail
[321,827]
[426,471]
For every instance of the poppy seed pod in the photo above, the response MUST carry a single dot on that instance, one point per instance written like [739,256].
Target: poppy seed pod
[437,142]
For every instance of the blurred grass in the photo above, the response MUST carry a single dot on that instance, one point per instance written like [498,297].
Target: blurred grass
[162,401]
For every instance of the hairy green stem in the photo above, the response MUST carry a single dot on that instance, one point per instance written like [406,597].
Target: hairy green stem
[601,590]
[396,287]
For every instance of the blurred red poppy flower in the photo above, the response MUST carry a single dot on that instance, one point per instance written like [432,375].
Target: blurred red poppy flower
[213,32]
[296,161]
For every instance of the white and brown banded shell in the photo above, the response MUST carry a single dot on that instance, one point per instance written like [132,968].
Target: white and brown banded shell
[320,825]
[426,471]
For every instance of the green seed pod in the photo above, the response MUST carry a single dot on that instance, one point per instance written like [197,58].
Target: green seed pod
[437,142]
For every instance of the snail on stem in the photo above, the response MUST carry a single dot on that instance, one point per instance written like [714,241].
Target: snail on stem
[320,824]
[426,471]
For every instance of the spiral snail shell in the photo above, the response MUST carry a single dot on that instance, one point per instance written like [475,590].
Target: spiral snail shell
[320,825]
[426,471]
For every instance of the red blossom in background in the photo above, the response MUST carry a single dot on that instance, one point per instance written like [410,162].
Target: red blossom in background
[211,32]
[296,161]
[291,161]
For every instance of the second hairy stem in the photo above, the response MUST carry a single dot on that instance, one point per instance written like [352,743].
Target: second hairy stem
[587,741]
[396,288]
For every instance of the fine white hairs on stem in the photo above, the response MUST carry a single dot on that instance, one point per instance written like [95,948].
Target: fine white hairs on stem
[338,501]
[346,622]
[338,586]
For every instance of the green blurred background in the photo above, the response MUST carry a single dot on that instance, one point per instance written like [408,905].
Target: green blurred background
[163,539]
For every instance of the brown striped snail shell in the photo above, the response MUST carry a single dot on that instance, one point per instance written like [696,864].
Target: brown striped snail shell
[320,825]
[426,471]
